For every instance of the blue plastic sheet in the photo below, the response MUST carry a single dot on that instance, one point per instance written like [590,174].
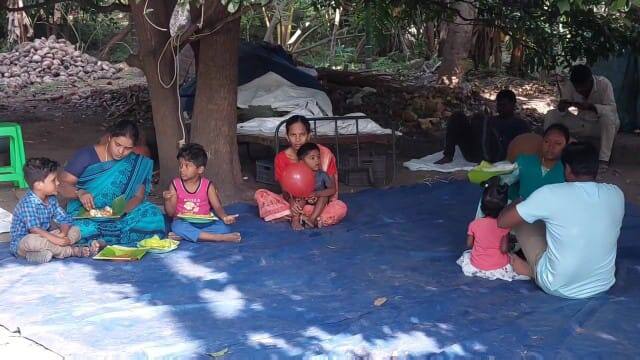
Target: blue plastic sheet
[286,294]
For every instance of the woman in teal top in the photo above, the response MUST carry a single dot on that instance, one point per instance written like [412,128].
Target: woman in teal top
[536,171]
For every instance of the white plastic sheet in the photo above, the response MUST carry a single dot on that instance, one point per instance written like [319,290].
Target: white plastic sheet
[275,91]
[427,163]
[5,221]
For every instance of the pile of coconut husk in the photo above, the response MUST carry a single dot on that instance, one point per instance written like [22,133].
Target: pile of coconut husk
[50,60]
[130,102]
[410,108]
[414,109]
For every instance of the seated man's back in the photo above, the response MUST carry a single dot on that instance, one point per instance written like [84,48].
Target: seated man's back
[583,221]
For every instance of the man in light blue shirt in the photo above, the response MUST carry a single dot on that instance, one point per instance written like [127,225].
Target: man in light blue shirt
[569,232]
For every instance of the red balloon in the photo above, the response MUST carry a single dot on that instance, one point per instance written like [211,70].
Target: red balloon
[298,180]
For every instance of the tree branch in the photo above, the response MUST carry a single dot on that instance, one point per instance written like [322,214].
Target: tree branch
[486,22]
[189,36]
[324,41]
[114,40]
[116,6]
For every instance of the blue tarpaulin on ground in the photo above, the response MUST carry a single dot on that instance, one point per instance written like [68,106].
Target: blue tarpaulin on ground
[282,294]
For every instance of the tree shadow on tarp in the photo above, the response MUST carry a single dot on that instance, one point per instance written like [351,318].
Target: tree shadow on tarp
[286,294]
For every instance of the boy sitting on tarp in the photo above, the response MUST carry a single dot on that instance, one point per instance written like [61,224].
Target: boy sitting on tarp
[33,234]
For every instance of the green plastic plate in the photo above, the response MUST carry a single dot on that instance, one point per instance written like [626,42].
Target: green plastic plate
[198,219]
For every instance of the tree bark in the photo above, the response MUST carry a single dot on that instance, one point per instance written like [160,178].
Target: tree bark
[19,28]
[517,58]
[336,25]
[430,39]
[195,46]
[360,79]
[278,7]
[497,49]
[164,102]
[457,44]
[214,115]
[119,37]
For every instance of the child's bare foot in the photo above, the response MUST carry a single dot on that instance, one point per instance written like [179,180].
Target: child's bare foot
[95,246]
[174,236]
[520,266]
[285,218]
[81,251]
[309,222]
[296,224]
[231,237]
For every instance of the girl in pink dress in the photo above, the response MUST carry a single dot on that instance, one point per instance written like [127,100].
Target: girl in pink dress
[275,207]
[489,257]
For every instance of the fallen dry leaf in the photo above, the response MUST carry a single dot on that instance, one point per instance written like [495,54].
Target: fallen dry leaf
[380,301]
[220,353]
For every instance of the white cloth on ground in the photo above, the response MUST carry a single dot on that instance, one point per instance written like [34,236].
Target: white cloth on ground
[427,163]
[504,273]
[5,221]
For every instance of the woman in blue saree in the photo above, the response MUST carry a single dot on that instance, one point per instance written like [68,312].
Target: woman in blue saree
[98,174]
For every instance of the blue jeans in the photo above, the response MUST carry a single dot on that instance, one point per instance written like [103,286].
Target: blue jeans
[191,232]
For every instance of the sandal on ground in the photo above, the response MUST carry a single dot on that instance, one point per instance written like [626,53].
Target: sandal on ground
[603,170]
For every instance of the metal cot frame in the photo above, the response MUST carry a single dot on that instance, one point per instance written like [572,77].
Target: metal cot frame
[276,141]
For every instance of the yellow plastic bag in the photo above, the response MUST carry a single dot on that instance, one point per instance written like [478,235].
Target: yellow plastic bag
[156,245]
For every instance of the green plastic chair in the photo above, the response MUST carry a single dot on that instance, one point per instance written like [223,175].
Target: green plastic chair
[14,172]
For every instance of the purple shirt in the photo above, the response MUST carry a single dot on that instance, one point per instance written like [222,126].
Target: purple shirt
[81,160]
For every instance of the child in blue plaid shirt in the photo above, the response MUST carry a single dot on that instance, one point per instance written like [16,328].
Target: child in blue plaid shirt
[32,232]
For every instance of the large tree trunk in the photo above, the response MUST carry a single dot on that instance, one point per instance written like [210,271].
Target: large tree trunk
[517,58]
[430,39]
[487,47]
[278,7]
[19,28]
[457,43]
[480,40]
[214,122]
[497,49]
[164,102]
